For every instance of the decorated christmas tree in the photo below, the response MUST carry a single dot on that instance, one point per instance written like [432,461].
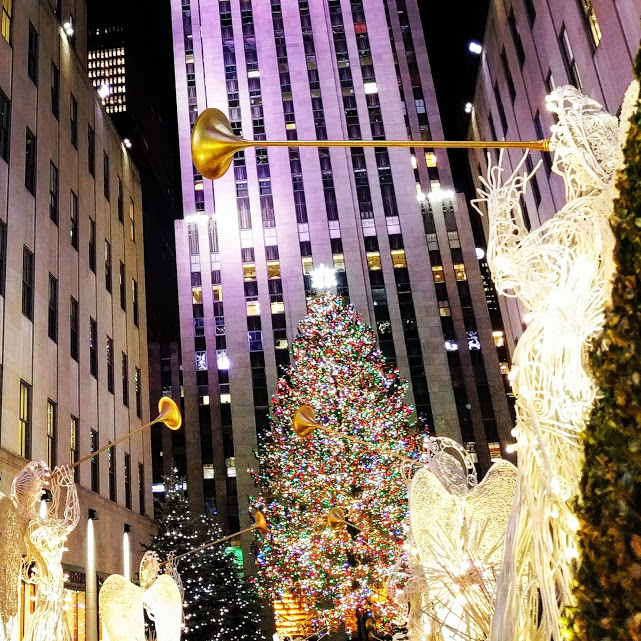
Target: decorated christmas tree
[608,586]
[219,603]
[340,574]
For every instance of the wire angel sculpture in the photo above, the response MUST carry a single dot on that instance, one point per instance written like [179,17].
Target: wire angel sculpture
[561,272]
[123,604]
[16,512]
[46,539]
[457,528]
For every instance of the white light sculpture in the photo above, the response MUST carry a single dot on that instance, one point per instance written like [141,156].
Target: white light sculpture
[46,538]
[561,273]
[16,512]
[323,278]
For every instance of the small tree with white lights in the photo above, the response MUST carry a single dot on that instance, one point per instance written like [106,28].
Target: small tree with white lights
[219,602]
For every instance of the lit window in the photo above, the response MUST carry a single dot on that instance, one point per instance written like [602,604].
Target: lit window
[373,260]
[398,258]
[249,271]
[253,308]
[591,21]
[339,262]
[201,361]
[290,126]
[459,270]
[430,159]
[218,292]
[435,185]
[197,295]
[273,269]
[208,469]
[253,74]
[225,398]
[278,307]
[499,338]
[437,273]
[451,346]
[444,308]
[413,161]
[222,359]
[308,264]
[370,88]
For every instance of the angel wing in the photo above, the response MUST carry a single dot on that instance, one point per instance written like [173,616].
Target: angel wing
[121,610]
[163,602]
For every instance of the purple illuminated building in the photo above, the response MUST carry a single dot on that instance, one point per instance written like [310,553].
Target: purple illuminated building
[388,222]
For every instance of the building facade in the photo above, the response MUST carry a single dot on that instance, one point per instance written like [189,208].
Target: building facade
[530,47]
[72,314]
[386,220]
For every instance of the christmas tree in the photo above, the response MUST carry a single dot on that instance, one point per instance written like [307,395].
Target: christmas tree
[340,574]
[219,602]
[608,587]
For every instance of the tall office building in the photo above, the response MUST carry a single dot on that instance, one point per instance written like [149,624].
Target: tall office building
[73,343]
[530,47]
[386,220]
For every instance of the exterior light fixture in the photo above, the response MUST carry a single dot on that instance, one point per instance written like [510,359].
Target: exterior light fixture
[475,48]
[480,253]
[127,528]
[127,143]
[92,514]
[104,90]
[68,27]
[420,196]
[468,107]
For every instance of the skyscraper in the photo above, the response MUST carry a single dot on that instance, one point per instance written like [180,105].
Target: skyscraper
[530,47]
[386,220]
[73,344]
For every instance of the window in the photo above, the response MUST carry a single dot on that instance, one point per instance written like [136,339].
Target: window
[110,364]
[55,90]
[52,317]
[32,54]
[121,203]
[91,150]
[134,294]
[127,480]
[74,445]
[571,68]
[508,76]
[95,462]
[125,380]
[53,193]
[74,328]
[530,11]
[132,220]
[3,256]
[27,283]
[73,121]
[111,462]
[192,237]
[51,434]
[459,272]
[141,487]
[5,123]
[24,424]
[123,287]
[30,163]
[93,347]
[500,108]
[6,20]
[591,22]
[108,265]
[73,215]
[138,390]
[92,245]
[516,37]
[106,183]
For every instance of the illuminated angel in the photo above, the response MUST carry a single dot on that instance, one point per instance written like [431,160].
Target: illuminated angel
[561,273]
[46,539]
[16,511]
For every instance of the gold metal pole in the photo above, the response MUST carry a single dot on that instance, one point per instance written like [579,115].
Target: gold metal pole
[213,144]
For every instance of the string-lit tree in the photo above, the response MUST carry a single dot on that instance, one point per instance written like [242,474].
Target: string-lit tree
[608,586]
[219,602]
[338,370]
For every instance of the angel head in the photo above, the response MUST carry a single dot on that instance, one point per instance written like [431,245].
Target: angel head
[585,141]
[27,487]
[149,569]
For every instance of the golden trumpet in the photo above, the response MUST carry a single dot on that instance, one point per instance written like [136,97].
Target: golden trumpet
[213,143]
[169,414]
[304,422]
[336,518]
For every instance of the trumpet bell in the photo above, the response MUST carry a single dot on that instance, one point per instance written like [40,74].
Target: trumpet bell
[304,422]
[336,518]
[168,413]
[260,523]
[213,143]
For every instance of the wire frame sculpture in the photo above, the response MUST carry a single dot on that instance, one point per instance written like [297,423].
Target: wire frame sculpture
[561,273]
[46,539]
[16,511]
